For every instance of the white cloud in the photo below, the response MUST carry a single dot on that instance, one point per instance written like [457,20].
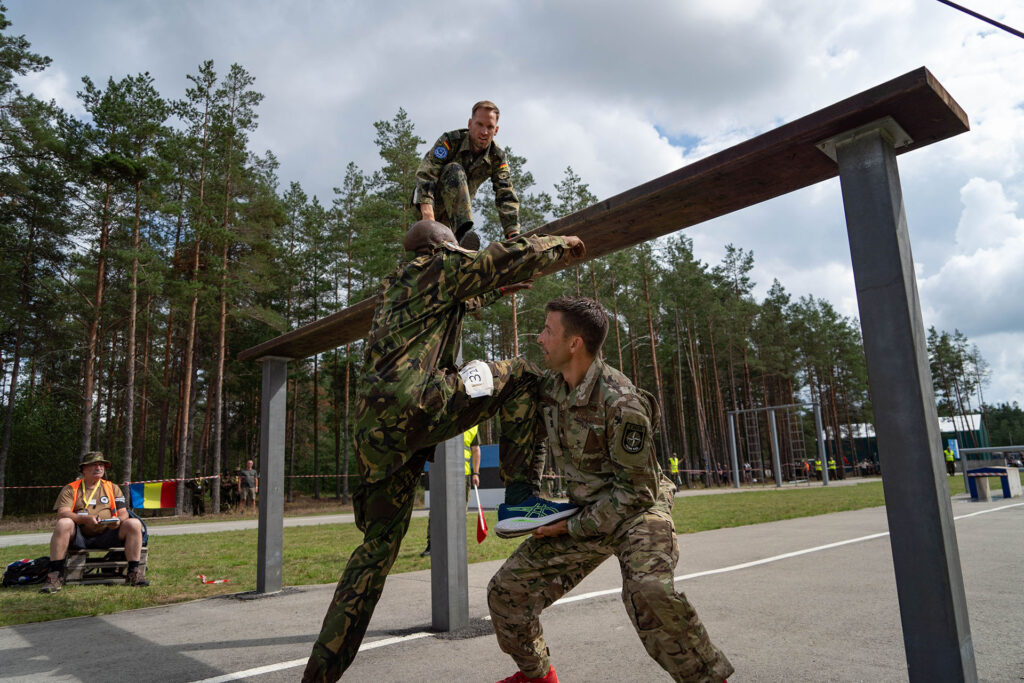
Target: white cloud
[978,287]
[54,85]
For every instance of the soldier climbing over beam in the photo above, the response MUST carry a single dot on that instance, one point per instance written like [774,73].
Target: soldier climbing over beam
[458,163]
[413,396]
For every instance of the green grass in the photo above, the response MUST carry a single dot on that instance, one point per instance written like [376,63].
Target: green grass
[317,554]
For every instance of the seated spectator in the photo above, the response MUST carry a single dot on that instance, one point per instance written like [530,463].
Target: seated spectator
[91,513]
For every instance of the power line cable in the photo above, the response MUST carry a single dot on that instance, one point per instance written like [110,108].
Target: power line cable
[1008,29]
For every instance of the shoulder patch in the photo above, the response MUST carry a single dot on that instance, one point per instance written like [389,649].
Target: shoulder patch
[633,437]
[440,152]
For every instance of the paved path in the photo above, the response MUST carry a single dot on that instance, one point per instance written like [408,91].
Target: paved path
[234,525]
[801,599]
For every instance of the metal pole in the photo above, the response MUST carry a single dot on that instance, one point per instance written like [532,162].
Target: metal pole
[822,455]
[449,565]
[929,581]
[732,452]
[270,535]
[776,459]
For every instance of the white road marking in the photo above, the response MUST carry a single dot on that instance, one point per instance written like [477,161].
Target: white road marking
[384,642]
[270,668]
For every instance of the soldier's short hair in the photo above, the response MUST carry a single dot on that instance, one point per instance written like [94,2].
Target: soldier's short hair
[489,106]
[584,317]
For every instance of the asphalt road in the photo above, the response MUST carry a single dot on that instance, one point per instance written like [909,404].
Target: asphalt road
[803,599]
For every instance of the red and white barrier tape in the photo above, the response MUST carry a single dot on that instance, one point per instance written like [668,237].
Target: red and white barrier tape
[203,579]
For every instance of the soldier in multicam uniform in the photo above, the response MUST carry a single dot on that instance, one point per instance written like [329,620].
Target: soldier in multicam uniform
[598,428]
[458,163]
[414,397]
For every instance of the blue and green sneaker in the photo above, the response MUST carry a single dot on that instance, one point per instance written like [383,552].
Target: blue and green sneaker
[522,518]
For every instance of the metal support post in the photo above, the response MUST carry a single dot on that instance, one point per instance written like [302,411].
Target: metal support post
[270,535]
[732,452]
[822,455]
[929,581]
[449,565]
[773,431]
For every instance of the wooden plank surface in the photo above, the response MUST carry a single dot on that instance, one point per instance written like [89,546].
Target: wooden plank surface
[769,165]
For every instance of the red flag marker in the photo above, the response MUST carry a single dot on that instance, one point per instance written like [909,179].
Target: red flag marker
[481,523]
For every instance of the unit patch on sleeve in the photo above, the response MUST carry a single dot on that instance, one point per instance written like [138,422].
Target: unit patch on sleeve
[440,152]
[633,437]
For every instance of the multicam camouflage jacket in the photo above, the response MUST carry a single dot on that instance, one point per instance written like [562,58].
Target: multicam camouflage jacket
[601,436]
[416,331]
[453,146]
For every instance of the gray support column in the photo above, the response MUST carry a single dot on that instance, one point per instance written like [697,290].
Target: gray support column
[449,568]
[776,458]
[732,452]
[271,468]
[822,454]
[929,582]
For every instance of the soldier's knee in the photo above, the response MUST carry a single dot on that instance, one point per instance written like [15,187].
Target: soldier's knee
[497,594]
[646,597]
[453,173]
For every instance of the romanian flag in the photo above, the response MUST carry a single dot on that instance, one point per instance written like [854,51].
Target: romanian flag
[160,494]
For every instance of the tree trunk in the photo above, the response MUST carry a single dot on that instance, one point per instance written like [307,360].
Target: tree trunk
[133,300]
[316,426]
[657,374]
[94,324]
[144,395]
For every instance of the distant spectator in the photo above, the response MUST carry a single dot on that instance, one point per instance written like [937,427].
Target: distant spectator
[248,486]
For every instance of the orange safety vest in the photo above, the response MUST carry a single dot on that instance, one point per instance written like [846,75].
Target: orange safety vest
[108,488]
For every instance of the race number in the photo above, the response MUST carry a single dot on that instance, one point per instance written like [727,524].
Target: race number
[478,379]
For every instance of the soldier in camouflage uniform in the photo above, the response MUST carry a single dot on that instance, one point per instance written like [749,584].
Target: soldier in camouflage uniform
[458,163]
[413,397]
[598,428]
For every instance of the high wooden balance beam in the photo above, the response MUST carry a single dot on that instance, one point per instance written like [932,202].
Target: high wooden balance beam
[764,167]
[857,139]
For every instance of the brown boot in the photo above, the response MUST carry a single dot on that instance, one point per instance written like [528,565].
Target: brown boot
[137,577]
[54,582]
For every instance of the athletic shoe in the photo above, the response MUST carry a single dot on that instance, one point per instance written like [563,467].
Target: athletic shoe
[54,582]
[534,512]
[520,677]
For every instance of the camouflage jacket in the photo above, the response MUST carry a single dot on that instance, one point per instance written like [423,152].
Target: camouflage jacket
[415,335]
[453,146]
[602,439]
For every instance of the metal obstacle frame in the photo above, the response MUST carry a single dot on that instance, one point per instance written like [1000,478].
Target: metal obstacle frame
[776,452]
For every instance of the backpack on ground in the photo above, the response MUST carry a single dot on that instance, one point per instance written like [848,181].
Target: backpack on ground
[26,572]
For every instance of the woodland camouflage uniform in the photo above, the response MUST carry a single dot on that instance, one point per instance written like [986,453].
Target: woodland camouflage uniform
[450,174]
[600,435]
[413,398]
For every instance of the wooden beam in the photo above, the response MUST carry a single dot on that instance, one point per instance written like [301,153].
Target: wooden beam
[767,166]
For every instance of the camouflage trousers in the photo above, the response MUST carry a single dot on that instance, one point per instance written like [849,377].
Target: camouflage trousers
[383,507]
[453,204]
[542,570]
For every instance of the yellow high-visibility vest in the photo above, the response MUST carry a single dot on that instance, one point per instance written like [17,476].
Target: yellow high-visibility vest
[467,438]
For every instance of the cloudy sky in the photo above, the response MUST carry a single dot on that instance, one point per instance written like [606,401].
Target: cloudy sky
[622,92]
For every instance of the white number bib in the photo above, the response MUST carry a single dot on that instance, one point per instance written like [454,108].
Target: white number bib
[478,379]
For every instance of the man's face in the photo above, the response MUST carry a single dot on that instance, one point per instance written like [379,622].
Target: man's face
[482,129]
[95,470]
[248,465]
[554,342]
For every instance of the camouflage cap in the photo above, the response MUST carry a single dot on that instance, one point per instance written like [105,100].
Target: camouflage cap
[93,457]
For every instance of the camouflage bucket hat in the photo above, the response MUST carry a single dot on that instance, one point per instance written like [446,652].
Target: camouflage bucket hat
[93,457]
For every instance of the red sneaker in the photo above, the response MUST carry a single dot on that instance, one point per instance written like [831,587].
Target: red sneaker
[520,677]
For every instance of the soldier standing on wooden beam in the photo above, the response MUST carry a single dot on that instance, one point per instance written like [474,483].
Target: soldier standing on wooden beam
[458,163]
[413,396]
